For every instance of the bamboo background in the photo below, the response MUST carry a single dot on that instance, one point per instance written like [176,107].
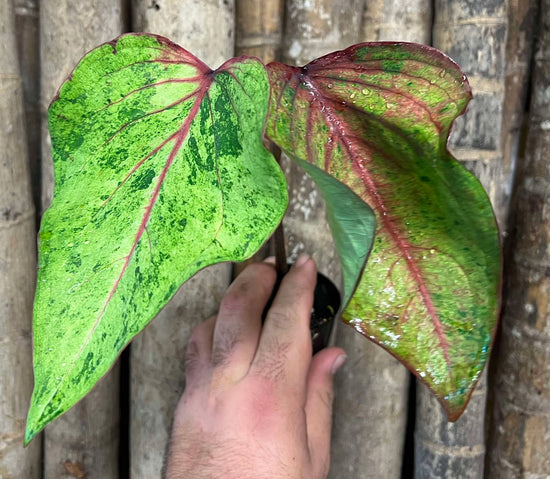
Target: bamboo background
[385,424]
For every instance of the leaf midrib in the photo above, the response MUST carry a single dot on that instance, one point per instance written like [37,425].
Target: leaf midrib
[180,136]
[384,217]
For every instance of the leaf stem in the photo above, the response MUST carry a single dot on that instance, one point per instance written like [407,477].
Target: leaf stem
[279,236]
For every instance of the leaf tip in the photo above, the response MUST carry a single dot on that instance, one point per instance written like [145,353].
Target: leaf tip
[30,433]
[455,411]
[36,421]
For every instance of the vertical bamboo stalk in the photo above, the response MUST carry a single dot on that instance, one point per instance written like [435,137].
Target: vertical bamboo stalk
[27,34]
[474,35]
[83,442]
[157,356]
[312,29]
[450,450]
[206,29]
[522,23]
[373,404]
[520,429]
[521,34]
[17,265]
[259,28]
[259,32]
[370,412]
[395,20]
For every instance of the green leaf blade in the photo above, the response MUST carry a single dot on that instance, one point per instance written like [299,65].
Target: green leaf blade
[160,171]
[377,118]
[352,223]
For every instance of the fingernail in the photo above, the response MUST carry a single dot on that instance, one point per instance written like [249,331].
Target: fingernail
[302,259]
[338,362]
[270,260]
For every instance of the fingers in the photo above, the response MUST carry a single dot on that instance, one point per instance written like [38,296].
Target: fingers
[284,351]
[238,323]
[319,404]
[199,351]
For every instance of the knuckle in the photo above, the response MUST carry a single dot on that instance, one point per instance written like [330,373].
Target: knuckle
[257,279]
[192,354]
[236,298]
[261,271]
[263,404]
[224,345]
[271,361]
[200,331]
[280,318]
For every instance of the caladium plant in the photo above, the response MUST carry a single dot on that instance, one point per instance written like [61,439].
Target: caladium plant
[161,170]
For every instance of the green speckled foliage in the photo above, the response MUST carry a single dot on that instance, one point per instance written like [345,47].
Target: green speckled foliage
[160,171]
[377,117]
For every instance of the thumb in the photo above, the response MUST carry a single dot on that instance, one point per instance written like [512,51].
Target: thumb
[319,404]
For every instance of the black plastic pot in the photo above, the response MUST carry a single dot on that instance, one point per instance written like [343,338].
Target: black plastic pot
[326,302]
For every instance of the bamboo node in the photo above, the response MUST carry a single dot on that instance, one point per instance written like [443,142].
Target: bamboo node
[7,220]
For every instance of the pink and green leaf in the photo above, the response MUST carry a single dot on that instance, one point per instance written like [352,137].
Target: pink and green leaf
[377,117]
[160,171]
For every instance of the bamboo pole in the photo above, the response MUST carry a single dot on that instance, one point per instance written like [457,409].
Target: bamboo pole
[312,29]
[450,450]
[370,391]
[85,440]
[259,32]
[158,354]
[374,403]
[395,20]
[17,265]
[207,29]
[521,34]
[27,34]
[474,35]
[520,428]
[259,28]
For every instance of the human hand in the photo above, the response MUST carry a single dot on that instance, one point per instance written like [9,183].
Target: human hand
[256,404]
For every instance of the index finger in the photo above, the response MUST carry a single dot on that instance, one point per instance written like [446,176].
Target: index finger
[284,350]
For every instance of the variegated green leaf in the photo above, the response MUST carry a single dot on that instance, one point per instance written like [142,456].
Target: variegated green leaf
[377,117]
[160,171]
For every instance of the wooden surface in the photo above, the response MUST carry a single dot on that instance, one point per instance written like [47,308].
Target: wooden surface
[313,28]
[84,441]
[395,20]
[158,354]
[371,402]
[204,27]
[259,33]
[447,450]
[370,390]
[17,266]
[520,429]
[259,28]
[522,22]
[474,35]
[85,438]
[28,49]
